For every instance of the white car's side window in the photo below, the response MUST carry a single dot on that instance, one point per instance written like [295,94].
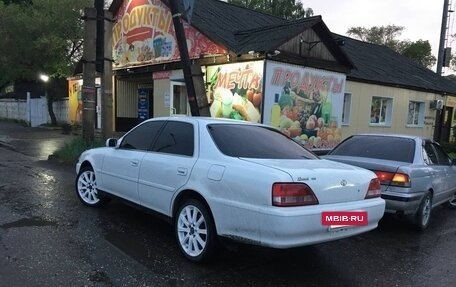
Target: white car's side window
[176,138]
[142,137]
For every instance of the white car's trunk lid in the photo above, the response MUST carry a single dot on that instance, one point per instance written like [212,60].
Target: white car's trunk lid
[332,182]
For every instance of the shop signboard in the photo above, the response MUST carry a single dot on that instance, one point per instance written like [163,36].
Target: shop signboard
[143,104]
[304,103]
[450,101]
[75,100]
[235,90]
[144,34]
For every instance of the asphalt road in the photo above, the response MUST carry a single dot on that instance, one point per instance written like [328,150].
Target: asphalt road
[47,238]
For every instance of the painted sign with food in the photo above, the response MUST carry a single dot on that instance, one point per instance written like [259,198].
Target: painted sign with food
[144,34]
[235,90]
[305,104]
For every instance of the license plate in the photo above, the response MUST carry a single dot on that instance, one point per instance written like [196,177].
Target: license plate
[342,219]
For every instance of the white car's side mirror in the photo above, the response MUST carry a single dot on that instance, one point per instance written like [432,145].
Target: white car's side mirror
[111,142]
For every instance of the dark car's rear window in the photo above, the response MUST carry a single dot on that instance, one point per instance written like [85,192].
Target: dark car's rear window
[256,142]
[381,147]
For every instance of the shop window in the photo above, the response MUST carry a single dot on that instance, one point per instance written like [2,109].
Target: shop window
[415,116]
[346,109]
[381,111]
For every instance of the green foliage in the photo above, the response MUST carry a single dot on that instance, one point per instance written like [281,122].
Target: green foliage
[381,35]
[21,122]
[71,151]
[287,9]
[419,51]
[40,36]
[449,148]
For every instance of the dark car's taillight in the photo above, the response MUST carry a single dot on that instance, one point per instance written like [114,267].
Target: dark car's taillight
[292,194]
[393,178]
[375,189]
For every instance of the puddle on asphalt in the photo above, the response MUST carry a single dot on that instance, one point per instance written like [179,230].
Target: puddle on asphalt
[28,222]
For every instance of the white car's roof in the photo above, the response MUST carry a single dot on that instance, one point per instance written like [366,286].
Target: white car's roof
[203,120]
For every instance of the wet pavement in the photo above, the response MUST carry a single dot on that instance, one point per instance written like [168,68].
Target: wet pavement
[39,142]
[48,238]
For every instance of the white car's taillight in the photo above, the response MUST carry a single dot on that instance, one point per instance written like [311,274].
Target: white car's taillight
[292,194]
[375,189]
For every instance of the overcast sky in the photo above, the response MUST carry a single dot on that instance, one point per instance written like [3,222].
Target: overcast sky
[422,19]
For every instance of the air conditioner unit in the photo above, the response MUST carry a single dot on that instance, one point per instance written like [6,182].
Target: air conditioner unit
[436,105]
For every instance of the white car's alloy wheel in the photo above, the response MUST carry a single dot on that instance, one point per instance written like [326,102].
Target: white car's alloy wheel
[192,230]
[86,186]
[195,231]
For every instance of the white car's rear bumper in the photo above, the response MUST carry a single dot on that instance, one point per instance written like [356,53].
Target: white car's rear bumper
[286,227]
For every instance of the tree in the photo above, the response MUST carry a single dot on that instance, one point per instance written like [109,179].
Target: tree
[381,35]
[40,36]
[419,51]
[287,9]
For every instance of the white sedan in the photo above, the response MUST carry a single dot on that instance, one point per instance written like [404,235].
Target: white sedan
[225,178]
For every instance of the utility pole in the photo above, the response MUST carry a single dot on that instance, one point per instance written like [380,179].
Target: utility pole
[106,80]
[442,37]
[88,87]
[185,59]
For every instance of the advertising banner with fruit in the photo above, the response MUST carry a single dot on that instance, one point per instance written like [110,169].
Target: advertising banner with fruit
[144,34]
[75,100]
[304,103]
[235,90]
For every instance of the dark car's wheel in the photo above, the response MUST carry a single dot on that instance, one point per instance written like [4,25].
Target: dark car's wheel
[423,214]
[86,187]
[195,231]
[452,202]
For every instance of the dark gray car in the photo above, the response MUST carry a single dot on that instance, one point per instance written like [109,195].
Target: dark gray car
[416,174]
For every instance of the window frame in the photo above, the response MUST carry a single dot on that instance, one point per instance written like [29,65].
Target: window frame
[421,114]
[388,111]
[346,109]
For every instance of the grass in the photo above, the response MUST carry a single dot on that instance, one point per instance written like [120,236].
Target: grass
[21,122]
[450,149]
[71,151]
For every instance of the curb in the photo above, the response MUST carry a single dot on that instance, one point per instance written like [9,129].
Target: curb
[7,145]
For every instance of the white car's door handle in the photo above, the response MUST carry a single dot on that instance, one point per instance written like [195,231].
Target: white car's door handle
[134,162]
[181,171]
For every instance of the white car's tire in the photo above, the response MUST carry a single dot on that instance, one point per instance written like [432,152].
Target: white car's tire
[86,187]
[451,203]
[423,215]
[195,231]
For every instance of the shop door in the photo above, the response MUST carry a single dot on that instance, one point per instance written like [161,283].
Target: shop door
[443,124]
[179,99]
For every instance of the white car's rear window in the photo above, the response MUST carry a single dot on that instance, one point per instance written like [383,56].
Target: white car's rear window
[256,142]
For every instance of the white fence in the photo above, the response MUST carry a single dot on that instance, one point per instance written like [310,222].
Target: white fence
[33,111]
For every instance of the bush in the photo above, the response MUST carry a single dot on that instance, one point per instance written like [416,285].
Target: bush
[21,122]
[450,149]
[70,152]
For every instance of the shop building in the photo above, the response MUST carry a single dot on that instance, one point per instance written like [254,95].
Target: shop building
[389,93]
[313,85]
